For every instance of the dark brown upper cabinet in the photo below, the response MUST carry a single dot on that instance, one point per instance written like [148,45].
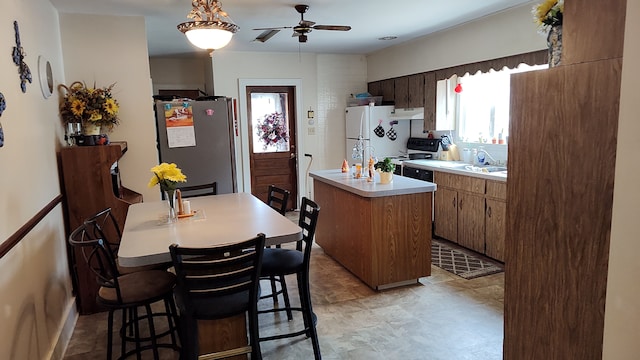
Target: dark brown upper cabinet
[429,101]
[409,91]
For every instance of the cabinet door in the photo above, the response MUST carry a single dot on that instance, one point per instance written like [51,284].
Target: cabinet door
[496,228]
[430,101]
[416,90]
[401,92]
[388,89]
[471,221]
[375,88]
[446,214]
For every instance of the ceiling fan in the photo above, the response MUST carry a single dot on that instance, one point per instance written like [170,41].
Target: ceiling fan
[302,29]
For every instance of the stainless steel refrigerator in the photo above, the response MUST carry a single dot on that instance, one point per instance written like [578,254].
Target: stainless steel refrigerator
[198,136]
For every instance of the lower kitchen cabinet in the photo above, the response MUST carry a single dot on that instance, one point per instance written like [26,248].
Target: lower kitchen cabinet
[446,214]
[471,212]
[471,215]
[495,225]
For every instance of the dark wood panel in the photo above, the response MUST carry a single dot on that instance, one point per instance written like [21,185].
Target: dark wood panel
[401,93]
[446,213]
[583,40]
[415,91]
[375,88]
[225,334]
[430,101]
[388,90]
[559,210]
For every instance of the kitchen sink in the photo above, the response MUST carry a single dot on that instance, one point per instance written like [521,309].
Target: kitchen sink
[482,168]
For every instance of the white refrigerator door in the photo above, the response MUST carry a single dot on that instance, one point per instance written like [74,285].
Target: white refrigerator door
[357,122]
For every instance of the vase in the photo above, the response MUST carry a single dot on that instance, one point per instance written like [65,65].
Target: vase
[172,212]
[386,177]
[90,128]
[554,42]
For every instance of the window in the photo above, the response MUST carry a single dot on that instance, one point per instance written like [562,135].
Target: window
[483,104]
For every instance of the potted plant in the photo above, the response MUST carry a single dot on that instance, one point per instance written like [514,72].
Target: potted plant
[385,168]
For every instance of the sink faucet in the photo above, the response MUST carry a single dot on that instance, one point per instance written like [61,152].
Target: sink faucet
[488,155]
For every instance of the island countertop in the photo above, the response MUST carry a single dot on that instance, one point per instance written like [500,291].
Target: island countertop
[399,186]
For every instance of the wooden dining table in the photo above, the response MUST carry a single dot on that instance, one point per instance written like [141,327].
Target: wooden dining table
[216,220]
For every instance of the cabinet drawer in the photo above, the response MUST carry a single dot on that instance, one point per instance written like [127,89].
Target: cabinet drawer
[497,189]
[459,182]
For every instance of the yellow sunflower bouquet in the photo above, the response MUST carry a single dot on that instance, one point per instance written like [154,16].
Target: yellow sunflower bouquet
[548,13]
[167,176]
[85,105]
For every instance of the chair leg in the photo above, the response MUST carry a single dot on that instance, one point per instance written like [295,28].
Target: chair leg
[136,331]
[123,331]
[152,332]
[170,309]
[307,314]
[274,293]
[254,335]
[285,295]
[110,335]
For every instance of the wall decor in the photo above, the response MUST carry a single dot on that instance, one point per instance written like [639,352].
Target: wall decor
[18,58]
[46,76]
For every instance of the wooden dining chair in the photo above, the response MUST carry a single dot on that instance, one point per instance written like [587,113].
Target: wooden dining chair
[280,261]
[199,190]
[277,199]
[217,283]
[127,293]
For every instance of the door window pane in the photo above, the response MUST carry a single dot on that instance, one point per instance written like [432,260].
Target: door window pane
[270,122]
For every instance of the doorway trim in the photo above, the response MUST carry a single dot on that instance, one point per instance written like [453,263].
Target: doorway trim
[245,173]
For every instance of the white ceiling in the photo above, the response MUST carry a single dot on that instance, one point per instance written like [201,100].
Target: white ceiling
[369,20]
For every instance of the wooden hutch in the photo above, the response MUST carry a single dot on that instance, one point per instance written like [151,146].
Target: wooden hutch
[92,184]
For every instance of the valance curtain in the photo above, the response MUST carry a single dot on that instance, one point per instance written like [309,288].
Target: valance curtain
[531,58]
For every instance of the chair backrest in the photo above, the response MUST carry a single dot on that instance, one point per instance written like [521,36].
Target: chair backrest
[308,220]
[105,226]
[205,275]
[278,199]
[199,190]
[96,252]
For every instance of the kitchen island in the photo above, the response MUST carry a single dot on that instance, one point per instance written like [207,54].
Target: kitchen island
[379,232]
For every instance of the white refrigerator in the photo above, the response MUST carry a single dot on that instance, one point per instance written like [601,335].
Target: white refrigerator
[381,135]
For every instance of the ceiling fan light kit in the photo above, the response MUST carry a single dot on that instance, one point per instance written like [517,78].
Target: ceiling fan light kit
[301,29]
[211,28]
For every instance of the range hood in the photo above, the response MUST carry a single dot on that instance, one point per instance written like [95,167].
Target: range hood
[408,114]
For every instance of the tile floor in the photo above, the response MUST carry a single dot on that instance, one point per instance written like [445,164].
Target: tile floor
[441,317]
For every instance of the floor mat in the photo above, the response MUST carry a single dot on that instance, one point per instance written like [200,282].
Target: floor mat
[460,262]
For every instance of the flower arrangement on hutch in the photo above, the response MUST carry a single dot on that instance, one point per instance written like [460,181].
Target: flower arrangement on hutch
[168,176]
[548,16]
[272,130]
[95,108]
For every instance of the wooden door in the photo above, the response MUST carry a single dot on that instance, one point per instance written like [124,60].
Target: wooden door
[471,221]
[272,140]
[446,214]
[495,228]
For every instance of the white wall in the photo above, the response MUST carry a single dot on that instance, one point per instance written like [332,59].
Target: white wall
[181,73]
[506,33]
[622,312]
[36,290]
[93,56]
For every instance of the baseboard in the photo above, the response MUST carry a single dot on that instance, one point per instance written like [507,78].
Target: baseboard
[65,331]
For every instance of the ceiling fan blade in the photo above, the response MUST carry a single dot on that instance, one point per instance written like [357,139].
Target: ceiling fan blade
[266,35]
[332,27]
[274,28]
[306,23]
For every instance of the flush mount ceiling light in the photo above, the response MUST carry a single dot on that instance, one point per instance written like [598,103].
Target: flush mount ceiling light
[390,37]
[211,28]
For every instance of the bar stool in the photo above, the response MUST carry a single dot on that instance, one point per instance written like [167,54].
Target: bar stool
[280,262]
[217,283]
[277,199]
[127,293]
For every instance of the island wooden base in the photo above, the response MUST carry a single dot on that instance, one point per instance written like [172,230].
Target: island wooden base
[381,240]
[222,335]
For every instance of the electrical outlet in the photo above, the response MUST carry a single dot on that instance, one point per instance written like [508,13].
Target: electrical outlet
[312,131]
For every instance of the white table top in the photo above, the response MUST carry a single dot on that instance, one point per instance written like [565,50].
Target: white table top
[219,219]
[399,186]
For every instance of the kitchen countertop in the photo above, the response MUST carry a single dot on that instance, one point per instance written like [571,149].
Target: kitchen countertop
[450,167]
[399,186]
